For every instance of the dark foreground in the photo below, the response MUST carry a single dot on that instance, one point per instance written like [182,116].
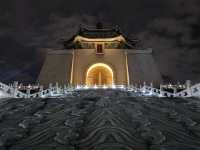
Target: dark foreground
[100,120]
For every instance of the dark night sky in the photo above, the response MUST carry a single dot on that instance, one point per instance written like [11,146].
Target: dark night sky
[170,27]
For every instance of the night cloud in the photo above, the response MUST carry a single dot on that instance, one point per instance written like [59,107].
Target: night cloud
[171,28]
[172,38]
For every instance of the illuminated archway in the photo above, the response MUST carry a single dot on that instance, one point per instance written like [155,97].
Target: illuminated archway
[99,74]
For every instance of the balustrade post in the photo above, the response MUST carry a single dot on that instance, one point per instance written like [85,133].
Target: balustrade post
[65,88]
[151,87]
[50,89]
[50,85]
[28,93]
[174,91]
[41,91]
[57,88]
[161,90]
[144,87]
[135,87]
[188,87]
[15,89]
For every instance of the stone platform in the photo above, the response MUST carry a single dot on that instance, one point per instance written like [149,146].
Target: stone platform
[100,120]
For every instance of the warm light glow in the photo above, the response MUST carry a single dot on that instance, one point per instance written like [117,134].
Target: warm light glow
[72,69]
[105,87]
[127,70]
[95,86]
[78,87]
[99,74]
[86,87]
[80,38]
[114,86]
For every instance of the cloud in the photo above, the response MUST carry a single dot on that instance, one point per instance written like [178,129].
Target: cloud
[23,53]
[51,35]
[176,49]
[63,28]
[170,27]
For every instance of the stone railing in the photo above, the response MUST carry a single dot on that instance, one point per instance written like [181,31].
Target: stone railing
[11,91]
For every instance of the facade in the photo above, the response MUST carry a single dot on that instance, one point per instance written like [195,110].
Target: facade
[99,56]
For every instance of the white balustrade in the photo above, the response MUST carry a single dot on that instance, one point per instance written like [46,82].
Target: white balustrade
[56,91]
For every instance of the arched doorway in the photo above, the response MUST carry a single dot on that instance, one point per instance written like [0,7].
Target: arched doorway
[99,74]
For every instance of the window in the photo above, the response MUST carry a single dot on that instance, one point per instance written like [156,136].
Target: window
[112,45]
[99,49]
[88,45]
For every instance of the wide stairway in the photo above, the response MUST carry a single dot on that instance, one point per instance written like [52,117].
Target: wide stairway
[100,120]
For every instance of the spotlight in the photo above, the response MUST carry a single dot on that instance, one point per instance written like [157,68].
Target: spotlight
[105,87]
[78,87]
[86,87]
[95,86]
[114,86]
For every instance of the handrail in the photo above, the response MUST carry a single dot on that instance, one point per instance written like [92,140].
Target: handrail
[55,91]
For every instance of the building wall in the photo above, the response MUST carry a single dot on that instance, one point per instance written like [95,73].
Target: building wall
[84,58]
[56,68]
[139,63]
[142,68]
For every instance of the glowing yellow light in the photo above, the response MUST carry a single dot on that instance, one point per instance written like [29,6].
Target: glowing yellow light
[95,86]
[118,38]
[105,87]
[86,87]
[97,65]
[114,86]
